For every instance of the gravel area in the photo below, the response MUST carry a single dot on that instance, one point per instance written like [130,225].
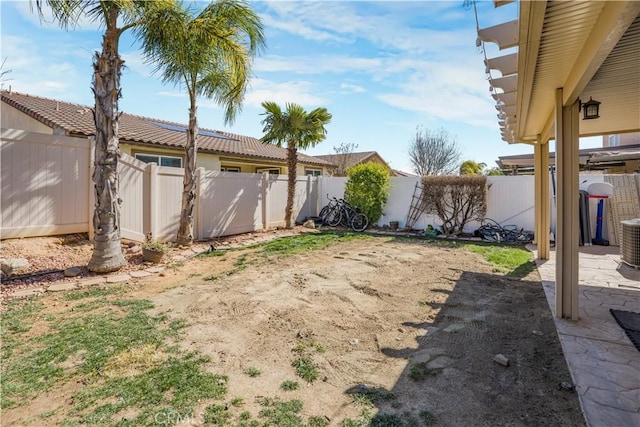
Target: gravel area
[48,257]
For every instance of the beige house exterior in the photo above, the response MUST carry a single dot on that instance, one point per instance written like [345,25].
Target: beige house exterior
[621,140]
[567,53]
[342,162]
[153,140]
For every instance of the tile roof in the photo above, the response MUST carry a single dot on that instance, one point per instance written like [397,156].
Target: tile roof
[77,119]
[351,158]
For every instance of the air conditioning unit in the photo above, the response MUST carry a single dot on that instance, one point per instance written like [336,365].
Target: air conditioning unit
[630,246]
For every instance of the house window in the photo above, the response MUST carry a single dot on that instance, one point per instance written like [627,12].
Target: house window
[313,172]
[160,159]
[614,140]
[271,171]
[230,169]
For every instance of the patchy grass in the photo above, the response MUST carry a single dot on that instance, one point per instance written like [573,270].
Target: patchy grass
[94,292]
[304,243]
[369,396]
[420,371]
[303,347]
[511,260]
[117,351]
[306,369]
[386,420]
[428,419]
[252,372]
[289,385]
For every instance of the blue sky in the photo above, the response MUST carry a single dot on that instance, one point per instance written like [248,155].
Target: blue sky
[381,69]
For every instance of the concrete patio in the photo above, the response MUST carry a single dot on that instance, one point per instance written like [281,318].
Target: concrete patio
[604,364]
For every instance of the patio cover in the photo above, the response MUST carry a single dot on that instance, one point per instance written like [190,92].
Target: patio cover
[567,52]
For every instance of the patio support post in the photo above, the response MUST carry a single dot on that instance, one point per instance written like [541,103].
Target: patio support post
[567,119]
[537,195]
[542,212]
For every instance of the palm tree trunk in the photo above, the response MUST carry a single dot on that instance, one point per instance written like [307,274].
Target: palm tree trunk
[292,160]
[185,232]
[107,251]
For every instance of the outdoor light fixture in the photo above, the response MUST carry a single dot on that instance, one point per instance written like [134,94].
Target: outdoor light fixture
[590,109]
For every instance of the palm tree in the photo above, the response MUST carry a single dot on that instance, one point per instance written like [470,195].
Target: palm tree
[107,64]
[298,129]
[470,167]
[210,52]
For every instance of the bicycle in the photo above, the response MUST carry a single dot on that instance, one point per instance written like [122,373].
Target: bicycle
[494,232]
[340,212]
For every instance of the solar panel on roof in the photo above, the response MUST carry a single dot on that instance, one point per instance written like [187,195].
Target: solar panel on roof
[215,135]
[180,128]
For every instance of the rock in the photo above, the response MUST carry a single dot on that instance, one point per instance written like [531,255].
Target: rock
[13,265]
[309,224]
[534,332]
[354,341]
[135,249]
[455,327]
[501,359]
[72,272]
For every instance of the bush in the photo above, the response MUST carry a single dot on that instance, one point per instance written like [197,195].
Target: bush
[455,199]
[368,189]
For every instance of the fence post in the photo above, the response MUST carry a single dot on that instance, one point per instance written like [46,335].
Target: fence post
[152,169]
[265,202]
[92,192]
[308,196]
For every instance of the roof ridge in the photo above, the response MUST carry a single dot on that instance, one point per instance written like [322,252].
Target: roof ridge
[11,92]
[142,129]
[153,119]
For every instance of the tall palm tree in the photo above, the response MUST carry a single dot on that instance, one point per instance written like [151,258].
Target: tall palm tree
[116,16]
[210,52]
[298,129]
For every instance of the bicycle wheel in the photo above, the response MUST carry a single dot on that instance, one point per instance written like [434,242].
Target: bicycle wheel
[334,217]
[359,222]
[323,213]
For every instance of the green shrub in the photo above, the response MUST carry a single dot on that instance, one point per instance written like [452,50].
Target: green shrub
[368,189]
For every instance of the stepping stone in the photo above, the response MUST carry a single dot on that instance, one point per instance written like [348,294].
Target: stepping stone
[61,287]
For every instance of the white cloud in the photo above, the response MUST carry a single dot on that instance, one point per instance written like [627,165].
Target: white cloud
[351,88]
[29,11]
[135,62]
[316,64]
[299,92]
[30,73]
[446,91]
[388,25]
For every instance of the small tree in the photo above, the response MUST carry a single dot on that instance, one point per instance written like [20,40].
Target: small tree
[343,161]
[434,152]
[209,51]
[456,200]
[299,129]
[368,188]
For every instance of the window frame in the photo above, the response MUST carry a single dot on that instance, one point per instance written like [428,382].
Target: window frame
[235,169]
[614,140]
[314,172]
[159,156]
[269,170]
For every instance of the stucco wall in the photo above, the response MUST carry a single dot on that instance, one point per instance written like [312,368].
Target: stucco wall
[12,118]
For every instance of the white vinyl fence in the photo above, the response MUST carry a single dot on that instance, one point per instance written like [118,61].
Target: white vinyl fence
[46,189]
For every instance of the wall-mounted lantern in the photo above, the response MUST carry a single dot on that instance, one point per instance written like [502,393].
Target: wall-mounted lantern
[590,109]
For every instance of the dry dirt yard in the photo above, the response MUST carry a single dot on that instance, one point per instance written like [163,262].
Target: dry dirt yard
[411,326]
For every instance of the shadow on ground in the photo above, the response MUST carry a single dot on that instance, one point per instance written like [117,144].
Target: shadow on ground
[451,377]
